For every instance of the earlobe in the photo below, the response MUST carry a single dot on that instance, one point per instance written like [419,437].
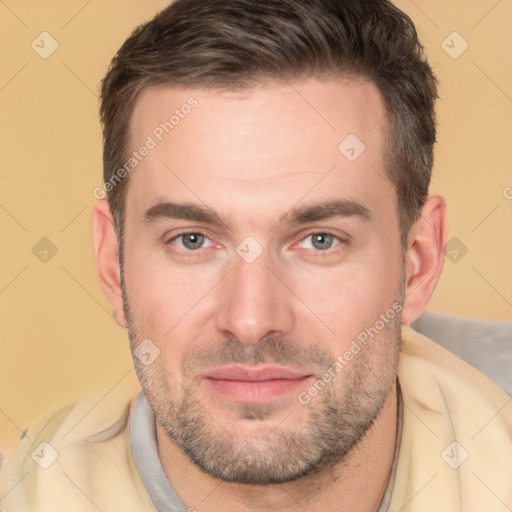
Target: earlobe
[424,257]
[106,251]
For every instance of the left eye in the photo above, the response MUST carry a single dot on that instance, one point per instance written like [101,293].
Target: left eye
[192,241]
[320,241]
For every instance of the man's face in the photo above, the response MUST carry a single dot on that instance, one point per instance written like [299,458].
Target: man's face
[252,306]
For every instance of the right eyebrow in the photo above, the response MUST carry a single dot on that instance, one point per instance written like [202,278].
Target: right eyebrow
[185,211]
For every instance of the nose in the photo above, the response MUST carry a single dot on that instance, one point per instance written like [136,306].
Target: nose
[254,303]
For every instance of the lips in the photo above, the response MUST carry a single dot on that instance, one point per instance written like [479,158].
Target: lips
[253,374]
[257,384]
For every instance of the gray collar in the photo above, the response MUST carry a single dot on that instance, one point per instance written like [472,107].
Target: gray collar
[145,453]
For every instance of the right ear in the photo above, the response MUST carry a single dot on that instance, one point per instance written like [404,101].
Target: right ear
[106,251]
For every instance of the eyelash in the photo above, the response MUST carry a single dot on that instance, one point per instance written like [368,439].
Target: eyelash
[328,252]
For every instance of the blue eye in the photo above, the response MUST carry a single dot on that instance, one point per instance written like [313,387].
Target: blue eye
[191,241]
[321,241]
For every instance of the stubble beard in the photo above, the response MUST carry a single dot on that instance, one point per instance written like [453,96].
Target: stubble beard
[264,452]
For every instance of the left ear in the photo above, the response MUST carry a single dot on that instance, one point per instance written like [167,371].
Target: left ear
[424,257]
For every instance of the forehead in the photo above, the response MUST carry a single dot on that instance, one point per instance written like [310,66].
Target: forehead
[262,147]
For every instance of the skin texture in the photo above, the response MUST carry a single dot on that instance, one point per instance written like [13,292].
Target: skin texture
[253,157]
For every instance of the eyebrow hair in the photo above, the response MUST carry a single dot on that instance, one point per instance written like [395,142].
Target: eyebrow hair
[319,211]
[326,210]
[185,211]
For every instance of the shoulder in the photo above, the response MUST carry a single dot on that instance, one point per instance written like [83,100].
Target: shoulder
[484,344]
[77,455]
[457,432]
[435,380]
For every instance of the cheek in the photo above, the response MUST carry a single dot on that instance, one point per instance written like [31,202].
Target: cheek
[350,299]
[168,303]
[157,292]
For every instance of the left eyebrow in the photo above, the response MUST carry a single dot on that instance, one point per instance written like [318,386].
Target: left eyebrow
[326,210]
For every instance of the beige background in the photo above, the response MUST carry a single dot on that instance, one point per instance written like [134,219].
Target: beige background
[58,336]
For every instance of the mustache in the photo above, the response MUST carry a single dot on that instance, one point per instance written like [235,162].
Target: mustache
[271,350]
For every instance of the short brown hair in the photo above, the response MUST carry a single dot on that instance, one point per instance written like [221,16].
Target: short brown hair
[240,43]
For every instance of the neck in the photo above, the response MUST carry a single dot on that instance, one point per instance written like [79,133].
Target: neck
[356,483]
